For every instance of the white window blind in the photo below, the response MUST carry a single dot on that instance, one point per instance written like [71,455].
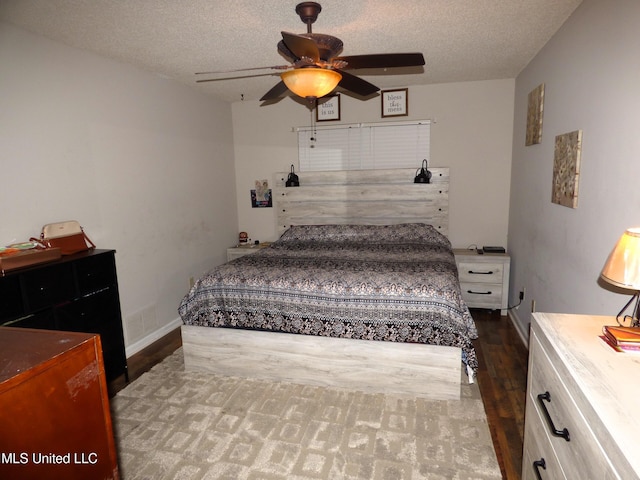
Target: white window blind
[364,146]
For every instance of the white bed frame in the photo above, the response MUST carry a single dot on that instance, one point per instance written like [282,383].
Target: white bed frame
[343,197]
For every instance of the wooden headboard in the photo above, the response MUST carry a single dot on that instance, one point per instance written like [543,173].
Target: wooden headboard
[378,197]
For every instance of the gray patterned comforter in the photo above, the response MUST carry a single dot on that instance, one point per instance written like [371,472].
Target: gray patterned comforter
[394,283]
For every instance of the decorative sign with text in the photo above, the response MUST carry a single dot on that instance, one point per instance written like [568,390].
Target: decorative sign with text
[328,108]
[395,103]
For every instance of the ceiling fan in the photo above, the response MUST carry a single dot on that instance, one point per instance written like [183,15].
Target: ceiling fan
[316,69]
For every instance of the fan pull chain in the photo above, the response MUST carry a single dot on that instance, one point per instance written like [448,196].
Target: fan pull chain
[313,128]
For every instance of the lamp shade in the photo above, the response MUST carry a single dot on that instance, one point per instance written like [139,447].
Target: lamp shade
[311,82]
[622,268]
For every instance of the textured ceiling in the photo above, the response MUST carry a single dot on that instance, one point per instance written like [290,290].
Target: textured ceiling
[462,40]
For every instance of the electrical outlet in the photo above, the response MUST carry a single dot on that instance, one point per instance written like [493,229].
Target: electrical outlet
[521,298]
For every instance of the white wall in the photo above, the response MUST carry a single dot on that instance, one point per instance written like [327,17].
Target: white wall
[472,135]
[591,74]
[145,165]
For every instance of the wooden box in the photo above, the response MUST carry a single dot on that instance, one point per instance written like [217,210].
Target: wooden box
[26,258]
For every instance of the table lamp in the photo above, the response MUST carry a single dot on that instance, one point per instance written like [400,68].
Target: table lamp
[622,269]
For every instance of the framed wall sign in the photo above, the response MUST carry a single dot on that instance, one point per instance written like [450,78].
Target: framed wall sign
[395,103]
[328,108]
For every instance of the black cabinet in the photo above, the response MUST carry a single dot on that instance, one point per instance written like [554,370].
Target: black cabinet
[78,293]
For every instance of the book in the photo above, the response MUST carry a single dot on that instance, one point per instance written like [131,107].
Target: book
[622,336]
[631,349]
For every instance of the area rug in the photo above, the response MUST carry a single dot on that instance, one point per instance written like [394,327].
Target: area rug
[173,424]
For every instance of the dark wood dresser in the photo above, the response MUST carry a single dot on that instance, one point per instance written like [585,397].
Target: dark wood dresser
[54,406]
[77,293]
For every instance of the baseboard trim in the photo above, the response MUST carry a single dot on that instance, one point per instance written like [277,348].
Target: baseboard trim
[152,337]
[517,324]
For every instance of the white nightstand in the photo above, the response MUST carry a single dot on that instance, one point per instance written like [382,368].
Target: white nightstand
[239,251]
[484,278]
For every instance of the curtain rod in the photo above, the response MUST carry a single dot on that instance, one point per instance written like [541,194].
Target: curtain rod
[362,125]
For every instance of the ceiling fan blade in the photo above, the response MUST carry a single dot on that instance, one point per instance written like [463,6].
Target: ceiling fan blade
[273,67]
[381,60]
[236,77]
[301,46]
[276,92]
[356,84]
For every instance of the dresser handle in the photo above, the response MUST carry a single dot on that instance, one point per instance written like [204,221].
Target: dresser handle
[490,272]
[479,293]
[536,467]
[564,433]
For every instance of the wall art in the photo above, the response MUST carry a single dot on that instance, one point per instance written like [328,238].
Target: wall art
[566,169]
[261,196]
[535,111]
[395,103]
[328,108]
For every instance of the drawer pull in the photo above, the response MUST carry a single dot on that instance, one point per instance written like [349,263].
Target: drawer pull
[564,433]
[536,467]
[472,272]
[479,293]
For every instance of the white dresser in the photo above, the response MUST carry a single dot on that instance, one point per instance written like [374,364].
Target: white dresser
[484,279]
[582,415]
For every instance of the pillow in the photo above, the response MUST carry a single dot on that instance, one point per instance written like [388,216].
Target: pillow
[403,233]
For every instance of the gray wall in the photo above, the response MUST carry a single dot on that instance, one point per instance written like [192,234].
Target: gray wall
[591,73]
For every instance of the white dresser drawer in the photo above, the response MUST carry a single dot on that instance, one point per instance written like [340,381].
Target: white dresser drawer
[480,272]
[538,453]
[582,455]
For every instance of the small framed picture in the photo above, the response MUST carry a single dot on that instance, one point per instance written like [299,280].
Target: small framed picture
[328,108]
[395,103]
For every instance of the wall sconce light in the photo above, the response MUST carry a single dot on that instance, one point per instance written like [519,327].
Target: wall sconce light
[292,179]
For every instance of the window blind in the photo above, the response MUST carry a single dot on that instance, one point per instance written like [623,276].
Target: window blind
[364,146]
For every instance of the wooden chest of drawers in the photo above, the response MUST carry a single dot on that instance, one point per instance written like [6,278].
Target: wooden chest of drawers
[54,408]
[484,279]
[582,420]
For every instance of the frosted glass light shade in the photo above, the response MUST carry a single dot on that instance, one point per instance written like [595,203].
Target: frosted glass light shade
[622,268]
[311,82]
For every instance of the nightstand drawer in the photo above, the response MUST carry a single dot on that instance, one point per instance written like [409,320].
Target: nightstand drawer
[482,295]
[237,252]
[480,272]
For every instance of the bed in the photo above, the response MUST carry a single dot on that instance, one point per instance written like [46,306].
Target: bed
[352,294]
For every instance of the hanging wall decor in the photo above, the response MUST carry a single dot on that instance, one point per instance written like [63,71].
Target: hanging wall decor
[566,169]
[395,103]
[534,115]
[328,108]
[261,196]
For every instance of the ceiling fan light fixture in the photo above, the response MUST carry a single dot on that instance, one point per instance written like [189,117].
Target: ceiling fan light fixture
[311,82]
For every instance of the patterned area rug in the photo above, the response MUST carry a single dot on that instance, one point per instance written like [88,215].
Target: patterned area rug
[172,424]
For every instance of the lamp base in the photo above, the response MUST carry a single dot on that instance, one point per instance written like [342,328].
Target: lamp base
[634,318]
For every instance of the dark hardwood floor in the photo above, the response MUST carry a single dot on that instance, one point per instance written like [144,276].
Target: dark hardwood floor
[142,361]
[502,378]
